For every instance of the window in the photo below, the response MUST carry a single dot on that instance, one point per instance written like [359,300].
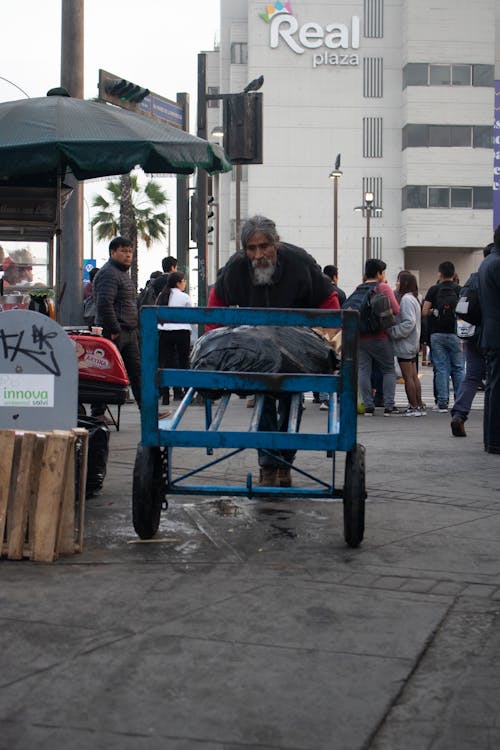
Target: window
[415,74]
[439,135]
[415,196]
[439,197]
[483,75]
[482,197]
[239,53]
[440,75]
[213,91]
[454,74]
[428,196]
[461,75]
[483,136]
[461,197]
[460,136]
[415,136]
[445,136]
[372,137]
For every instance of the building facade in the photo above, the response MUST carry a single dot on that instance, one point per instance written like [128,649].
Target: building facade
[403,90]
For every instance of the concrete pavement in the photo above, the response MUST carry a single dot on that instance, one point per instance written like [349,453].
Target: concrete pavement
[249,624]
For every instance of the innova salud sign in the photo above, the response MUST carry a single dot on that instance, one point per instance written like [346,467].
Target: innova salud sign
[334,42]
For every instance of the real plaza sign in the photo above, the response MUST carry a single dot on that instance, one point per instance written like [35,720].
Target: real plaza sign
[336,39]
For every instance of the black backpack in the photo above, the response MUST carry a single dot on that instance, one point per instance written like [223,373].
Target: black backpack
[374,308]
[146,296]
[446,302]
[468,307]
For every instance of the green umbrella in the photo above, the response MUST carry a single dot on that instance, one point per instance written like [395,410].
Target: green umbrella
[55,134]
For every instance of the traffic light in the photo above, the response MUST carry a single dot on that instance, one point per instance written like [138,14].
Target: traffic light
[243,128]
[125,90]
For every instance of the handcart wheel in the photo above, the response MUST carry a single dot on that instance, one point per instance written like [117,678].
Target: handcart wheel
[354,495]
[147,491]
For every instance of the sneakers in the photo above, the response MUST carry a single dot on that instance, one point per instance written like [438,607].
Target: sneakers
[323,406]
[412,412]
[458,427]
[440,408]
[369,411]
[393,411]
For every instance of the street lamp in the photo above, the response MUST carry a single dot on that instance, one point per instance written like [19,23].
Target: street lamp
[370,208]
[334,175]
[91,227]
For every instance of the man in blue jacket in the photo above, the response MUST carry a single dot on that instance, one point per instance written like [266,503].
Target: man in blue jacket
[489,297]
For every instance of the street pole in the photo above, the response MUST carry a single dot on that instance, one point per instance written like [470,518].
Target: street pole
[335,217]
[238,205]
[368,248]
[70,244]
[182,201]
[201,184]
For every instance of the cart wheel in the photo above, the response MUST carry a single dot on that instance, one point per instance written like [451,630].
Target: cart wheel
[354,496]
[147,492]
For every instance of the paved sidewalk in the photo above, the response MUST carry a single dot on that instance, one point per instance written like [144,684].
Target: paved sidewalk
[249,624]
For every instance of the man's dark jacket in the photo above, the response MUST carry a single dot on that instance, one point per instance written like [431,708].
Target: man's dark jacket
[115,299]
[297,281]
[489,298]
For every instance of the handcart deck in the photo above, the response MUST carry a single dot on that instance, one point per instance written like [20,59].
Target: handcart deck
[154,478]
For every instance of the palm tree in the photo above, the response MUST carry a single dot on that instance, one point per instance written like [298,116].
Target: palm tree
[131,210]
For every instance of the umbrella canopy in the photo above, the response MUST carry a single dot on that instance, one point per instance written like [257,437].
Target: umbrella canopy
[54,134]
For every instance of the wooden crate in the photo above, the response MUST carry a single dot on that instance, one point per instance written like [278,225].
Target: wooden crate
[42,493]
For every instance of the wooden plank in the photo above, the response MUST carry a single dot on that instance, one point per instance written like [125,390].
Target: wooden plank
[7,442]
[82,437]
[18,510]
[65,542]
[49,496]
[37,458]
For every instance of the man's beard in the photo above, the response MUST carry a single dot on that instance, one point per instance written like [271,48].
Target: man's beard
[262,275]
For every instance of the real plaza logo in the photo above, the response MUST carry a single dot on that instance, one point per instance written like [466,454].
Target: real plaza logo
[335,38]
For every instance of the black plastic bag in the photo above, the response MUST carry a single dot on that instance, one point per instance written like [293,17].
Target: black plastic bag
[98,452]
[263,349]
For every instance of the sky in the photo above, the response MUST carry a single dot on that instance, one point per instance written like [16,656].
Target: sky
[153,43]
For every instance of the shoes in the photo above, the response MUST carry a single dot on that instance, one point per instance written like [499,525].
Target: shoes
[268,476]
[412,412]
[393,411]
[369,411]
[284,476]
[250,402]
[458,427]
[440,408]
[422,410]
[164,414]
[105,419]
[323,406]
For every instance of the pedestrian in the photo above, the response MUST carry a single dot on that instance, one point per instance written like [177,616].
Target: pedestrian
[169,265]
[489,297]
[89,309]
[267,272]
[377,348]
[446,349]
[116,311]
[175,338]
[405,336]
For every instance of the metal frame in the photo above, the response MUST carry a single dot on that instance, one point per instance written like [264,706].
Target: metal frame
[341,428]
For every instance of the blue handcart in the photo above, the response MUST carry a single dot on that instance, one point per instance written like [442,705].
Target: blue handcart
[154,478]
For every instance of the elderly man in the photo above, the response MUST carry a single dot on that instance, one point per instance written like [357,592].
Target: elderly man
[270,273]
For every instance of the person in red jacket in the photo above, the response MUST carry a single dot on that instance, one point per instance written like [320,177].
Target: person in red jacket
[267,272]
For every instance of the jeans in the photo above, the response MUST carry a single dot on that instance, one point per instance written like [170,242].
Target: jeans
[447,359]
[474,375]
[491,422]
[380,351]
[276,421]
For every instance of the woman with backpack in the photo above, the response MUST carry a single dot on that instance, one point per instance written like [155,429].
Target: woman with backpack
[405,336]
[175,338]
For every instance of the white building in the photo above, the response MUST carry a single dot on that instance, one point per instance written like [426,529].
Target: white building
[403,90]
